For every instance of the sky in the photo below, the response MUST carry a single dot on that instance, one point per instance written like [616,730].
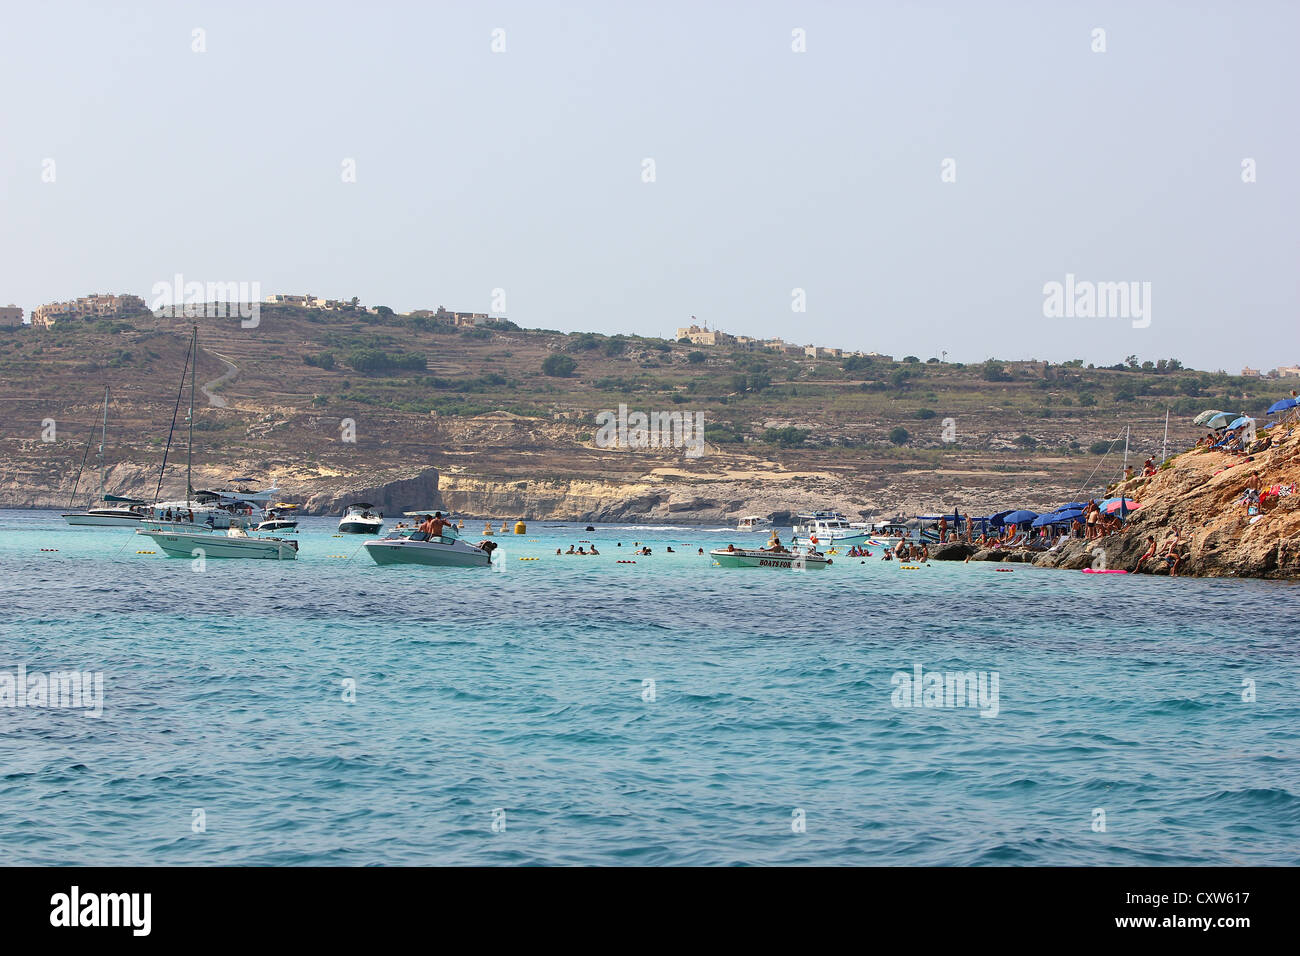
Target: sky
[913,174]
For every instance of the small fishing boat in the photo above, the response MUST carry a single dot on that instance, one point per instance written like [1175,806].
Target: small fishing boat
[361,518]
[235,543]
[753,523]
[447,550]
[732,557]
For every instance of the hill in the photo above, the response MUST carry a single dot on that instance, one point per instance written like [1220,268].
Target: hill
[331,404]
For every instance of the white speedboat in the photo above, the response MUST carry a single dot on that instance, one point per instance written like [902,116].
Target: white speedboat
[274,522]
[361,518]
[443,551]
[828,529]
[733,557]
[754,523]
[235,543]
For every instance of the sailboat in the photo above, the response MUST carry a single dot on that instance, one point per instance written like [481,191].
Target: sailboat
[176,541]
[126,514]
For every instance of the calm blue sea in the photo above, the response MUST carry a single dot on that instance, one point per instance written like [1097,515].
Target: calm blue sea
[506,717]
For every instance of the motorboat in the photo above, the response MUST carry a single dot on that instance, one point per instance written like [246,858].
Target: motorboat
[277,520]
[447,550]
[235,543]
[828,529]
[754,523]
[781,560]
[361,518]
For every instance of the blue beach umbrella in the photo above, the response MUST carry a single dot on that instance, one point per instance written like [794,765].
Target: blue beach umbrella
[996,520]
[1063,516]
[1019,517]
[1240,421]
[1282,406]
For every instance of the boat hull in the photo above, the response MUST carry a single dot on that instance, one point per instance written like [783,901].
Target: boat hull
[278,526]
[360,526]
[825,540]
[91,520]
[767,559]
[434,554]
[181,544]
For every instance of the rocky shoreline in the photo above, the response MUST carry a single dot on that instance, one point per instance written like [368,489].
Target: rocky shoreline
[1199,493]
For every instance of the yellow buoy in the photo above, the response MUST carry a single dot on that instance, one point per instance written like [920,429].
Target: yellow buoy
[521,528]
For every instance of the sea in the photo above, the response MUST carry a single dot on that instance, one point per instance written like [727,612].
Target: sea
[634,710]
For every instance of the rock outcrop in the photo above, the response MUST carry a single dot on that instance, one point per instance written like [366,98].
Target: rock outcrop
[1200,495]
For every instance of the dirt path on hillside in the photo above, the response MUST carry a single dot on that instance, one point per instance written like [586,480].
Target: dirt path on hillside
[216,401]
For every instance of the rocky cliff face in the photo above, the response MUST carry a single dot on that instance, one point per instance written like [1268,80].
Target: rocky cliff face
[1199,495]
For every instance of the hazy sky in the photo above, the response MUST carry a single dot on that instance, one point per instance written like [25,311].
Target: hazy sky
[774,170]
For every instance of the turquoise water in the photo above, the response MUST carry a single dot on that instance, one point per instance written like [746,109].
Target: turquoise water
[524,691]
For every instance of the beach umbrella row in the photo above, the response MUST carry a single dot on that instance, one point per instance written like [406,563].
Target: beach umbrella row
[1064,516]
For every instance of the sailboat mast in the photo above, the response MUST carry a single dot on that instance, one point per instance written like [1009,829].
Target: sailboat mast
[1126,449]
[1164,451]
[103,440]
[189,456]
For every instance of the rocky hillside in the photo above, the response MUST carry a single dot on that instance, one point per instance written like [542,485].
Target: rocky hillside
[406,413]
[1202,495]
